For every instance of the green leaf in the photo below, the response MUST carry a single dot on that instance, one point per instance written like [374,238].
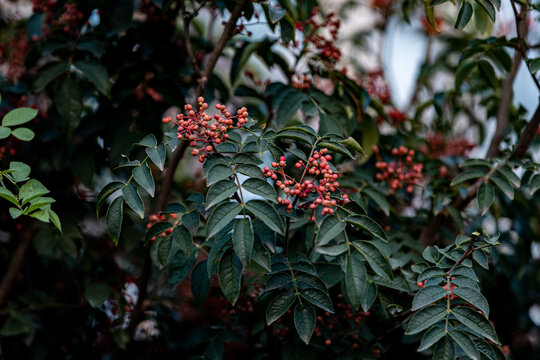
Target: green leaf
[504,185]
[220,191]
[464,15]
[296,135]
[23,134]
[463,71]
[465,271]
[431,337]
[376,260]
[157,229]
[369,295]
[143,176]
[15,212]
[485,197]
[19,116]
[243,239]
[20,171]
[465,343]
[425,318]
[221,216]
[355,279]
[311,280]
[278,306]
[179,267]
[476,322]
[191,221]
[352,144]
[133,199]
[267,214]
[429,273]
[49,73]
[200,282]
[444,350]
[230,275]
[488,8]
[69,101]
[318,298]
[8,195]
[96,293]
[534,184]
[474,298]
[467,175]
[157,155]
[476,162]
[487,71]
[276,13]
[174,208]
[261,188]
[336,147]
[18,324]
[427,295]
[278,280]
[182,238]
[148,141]
[369,225]
[38,203]
[378,199]
[108,190]
[4,132]
[218,172]
[97,74]
[164,250]
[31,190]
[250,170]
[331,226]
[304,321]
[510,176]
[287,31]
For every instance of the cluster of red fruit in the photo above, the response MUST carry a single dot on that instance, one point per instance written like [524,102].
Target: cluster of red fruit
[326,49]
[198,128]
[12,54]
[70,19]
[376,85]
[421,284]
[403,173]
[154,218]
[384,6]
[439,146]
[318,168]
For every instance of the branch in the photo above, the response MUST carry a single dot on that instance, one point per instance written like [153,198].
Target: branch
[228,32]
[166,186]
[528,135]
[466,254]
[15,266]
[507,88]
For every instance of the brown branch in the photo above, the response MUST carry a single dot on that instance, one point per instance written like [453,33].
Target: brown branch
[507,87]
[228,32]
[15,266]
[466,254]
[166,186]
[527,136]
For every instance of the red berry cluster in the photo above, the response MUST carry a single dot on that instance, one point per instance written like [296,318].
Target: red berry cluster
[439,146]
[323,183]
[403,173]
[12,55]
[153,219]
[70,19]
[397,116]
[326,49]
[198,128]
[377,87]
